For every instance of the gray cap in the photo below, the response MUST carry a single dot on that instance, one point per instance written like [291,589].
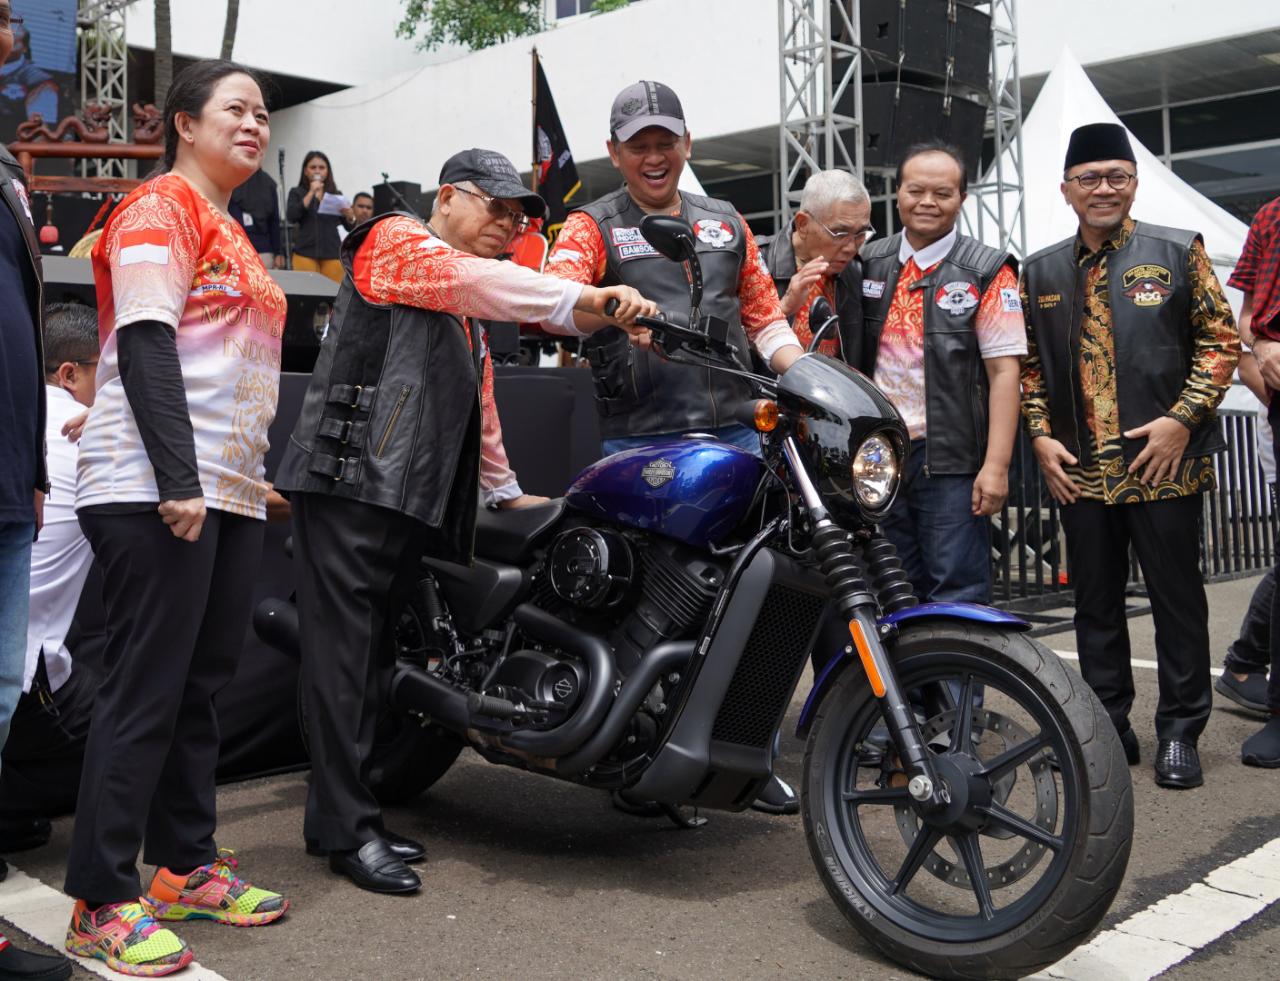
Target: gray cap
[645,104]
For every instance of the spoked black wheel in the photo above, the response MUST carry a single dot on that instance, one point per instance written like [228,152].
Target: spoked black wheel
[408,756]
[1024,862]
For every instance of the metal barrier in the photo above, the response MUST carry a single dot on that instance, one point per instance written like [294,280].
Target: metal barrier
[1030,570]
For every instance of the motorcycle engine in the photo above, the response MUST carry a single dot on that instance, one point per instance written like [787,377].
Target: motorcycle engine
[590,568]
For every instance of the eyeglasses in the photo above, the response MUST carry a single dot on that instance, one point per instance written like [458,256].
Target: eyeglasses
[499,211]
[1117,180]
[863,233]
[8,20]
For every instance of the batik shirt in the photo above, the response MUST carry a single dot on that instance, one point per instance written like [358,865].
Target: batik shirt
[899,371]
[1103,475]
[829,345]
[403,262]
[169,255]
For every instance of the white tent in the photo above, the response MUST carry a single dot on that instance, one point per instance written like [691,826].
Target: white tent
[1068,100]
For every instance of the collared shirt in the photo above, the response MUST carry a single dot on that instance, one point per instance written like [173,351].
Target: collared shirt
[401,261]
[1105,477]
[60,557]
[580,255]
[899,371]
[1258,271]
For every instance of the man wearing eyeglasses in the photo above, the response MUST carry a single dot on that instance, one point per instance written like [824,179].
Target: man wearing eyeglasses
[397,424]
[817,255]
[942,338]
[1131,347]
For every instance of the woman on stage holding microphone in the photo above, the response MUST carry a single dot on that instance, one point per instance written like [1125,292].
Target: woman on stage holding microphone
[171,496]
[318,241]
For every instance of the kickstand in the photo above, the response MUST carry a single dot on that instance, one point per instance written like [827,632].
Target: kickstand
[679,820]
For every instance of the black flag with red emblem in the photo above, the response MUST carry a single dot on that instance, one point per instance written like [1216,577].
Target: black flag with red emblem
[556,175]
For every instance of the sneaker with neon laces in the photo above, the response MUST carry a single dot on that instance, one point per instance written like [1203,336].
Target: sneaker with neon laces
[127,939]
[213,892]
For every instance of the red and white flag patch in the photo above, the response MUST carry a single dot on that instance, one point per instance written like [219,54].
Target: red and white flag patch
[144,245]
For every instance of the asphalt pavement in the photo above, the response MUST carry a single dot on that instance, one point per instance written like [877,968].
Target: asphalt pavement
[531,878]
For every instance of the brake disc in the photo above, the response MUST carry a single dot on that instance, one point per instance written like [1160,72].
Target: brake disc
[1024,860]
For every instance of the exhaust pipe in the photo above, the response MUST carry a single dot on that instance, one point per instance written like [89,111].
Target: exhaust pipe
[653,665]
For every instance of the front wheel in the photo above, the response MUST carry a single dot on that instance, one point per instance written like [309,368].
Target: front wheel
[1024,862]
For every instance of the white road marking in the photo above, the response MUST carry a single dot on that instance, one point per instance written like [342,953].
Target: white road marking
[1137,662]
[44,913]
[1168,932]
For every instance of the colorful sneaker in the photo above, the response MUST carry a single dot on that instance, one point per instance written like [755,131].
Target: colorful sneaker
[213,892]
[127,939]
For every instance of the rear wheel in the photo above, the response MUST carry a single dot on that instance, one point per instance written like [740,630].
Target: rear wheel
[1023,865]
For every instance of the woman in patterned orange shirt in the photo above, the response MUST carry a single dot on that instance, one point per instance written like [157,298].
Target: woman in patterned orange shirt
[170,494]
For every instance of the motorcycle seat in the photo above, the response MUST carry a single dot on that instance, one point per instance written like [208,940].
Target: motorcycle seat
[509,536]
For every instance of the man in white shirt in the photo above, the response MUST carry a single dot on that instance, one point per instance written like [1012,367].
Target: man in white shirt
[42,757]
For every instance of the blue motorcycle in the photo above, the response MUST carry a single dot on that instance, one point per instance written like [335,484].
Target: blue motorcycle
[966,800]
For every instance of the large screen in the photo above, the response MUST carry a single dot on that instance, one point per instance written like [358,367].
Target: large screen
[39,77]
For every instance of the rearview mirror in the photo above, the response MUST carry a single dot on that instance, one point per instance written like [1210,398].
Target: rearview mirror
[669,235]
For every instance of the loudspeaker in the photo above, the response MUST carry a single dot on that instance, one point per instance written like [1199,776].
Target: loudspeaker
[923,32]
[384,201]
[918,116]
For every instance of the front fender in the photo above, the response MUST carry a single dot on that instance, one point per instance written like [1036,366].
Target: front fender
[971,612]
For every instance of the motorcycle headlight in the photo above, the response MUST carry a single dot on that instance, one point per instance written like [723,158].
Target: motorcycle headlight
[875,472]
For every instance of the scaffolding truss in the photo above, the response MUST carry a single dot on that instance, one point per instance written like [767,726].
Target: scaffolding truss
[104,61]
[820,61]
[999,197]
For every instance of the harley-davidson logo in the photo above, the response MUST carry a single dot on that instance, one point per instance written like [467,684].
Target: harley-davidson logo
[1147,285]
[658,472]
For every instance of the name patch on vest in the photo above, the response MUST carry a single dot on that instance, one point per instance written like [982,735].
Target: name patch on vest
[630,243]
[713,231]
[1047,301]
[957,298]
[1147,285]
[873,288]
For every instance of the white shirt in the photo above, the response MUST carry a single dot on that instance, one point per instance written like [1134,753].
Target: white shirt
[61,556]
[931,254]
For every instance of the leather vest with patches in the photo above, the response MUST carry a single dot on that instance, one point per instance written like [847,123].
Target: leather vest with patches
[1149,293]
[637,393]
[391,416]
[955,379]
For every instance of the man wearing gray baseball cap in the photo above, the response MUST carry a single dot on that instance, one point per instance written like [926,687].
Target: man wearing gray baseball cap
[640,397]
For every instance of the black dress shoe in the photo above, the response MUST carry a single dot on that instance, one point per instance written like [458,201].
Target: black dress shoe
[407,849]
[777,798]
[20,834]
[1132,749]
[375,867]
[1178,765]
[23,965]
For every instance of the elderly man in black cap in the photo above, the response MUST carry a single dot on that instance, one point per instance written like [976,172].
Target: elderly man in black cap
[1131,347]
[397,422]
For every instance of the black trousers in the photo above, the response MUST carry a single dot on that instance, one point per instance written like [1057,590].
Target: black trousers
[44,755]
[354,565]
[1166,537]
[1250,653]
[176,616]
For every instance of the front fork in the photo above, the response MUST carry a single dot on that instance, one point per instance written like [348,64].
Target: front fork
[858,605]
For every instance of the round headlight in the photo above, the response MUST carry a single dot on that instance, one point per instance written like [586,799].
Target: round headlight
[875,472]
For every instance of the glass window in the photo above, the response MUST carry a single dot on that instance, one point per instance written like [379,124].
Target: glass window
[1221,122]
[1241,181]
[1148,128]
[568,8]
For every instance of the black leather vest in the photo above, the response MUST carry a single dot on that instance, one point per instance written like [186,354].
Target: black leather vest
[392,414]
[1149,293]
[637,393]
[955,380]
[779,256]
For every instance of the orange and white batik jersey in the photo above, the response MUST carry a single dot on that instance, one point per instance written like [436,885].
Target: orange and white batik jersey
[168,255]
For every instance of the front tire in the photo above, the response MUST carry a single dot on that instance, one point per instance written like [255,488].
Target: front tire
[1033,720]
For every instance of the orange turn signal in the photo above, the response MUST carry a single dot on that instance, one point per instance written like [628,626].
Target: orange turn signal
[766,416]
[864,654]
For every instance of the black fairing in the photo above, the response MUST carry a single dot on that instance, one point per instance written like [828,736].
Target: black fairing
[836,409]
